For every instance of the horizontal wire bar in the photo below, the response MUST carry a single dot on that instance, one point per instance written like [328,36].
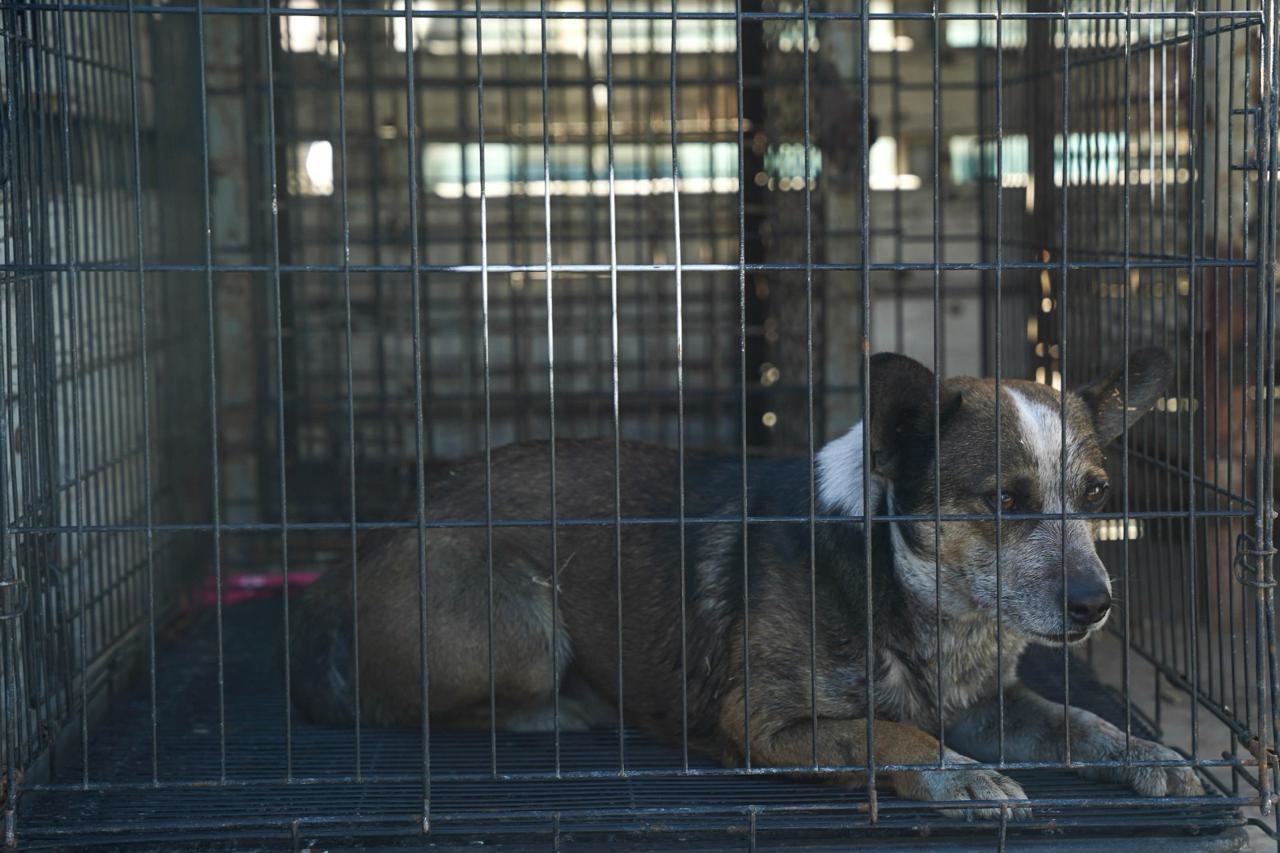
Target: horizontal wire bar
[412,821]
[435,524]
[641,15]
[673,772]
[1173,263]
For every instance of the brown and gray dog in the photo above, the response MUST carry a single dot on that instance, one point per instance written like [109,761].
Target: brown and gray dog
[576,652]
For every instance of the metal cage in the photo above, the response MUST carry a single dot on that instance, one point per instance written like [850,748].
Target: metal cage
[269,266]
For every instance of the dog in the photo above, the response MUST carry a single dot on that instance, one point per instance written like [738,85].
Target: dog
[933,591]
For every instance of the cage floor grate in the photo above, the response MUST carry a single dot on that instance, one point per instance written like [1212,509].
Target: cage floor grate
[258,803]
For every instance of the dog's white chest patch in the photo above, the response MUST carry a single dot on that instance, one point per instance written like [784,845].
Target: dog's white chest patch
[969,673]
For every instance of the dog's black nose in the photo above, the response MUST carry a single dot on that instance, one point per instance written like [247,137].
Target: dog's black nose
[1087,604]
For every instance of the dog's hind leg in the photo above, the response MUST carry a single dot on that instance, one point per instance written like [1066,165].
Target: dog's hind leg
[466,673]
[518,674]
[580,708]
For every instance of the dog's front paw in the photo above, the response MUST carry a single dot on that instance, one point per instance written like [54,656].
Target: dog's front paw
[1151,781]
[964,784]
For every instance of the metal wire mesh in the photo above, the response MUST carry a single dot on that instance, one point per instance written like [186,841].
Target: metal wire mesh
[270,266]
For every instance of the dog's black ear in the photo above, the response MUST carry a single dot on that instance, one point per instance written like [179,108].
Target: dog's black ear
[1149,370]
[902,419]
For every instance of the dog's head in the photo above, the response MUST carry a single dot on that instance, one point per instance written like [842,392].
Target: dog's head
[1051,462]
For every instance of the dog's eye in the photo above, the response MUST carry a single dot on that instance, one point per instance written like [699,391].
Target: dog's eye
[1097,491]
[1006,500]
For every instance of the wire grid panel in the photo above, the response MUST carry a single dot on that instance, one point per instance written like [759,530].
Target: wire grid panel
[100,377]
[1147,235]
[608,124]
[252,245]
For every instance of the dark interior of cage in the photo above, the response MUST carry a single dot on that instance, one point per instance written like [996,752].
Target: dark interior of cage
[271,270]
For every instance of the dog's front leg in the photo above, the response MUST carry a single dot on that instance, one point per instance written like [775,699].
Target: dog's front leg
[844,742]
[1036,729]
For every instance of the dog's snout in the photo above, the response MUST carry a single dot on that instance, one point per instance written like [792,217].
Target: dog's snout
[1087,603]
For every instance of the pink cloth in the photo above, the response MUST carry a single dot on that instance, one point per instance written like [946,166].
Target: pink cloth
[244,586]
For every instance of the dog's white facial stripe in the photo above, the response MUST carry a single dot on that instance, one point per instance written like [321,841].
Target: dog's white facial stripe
[1041,427]
[839,475]
[1042,435]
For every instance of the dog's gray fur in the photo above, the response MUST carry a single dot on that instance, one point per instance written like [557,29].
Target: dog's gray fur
[916,571]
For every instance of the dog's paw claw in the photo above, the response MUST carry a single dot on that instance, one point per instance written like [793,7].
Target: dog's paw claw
[960,785]
[1166,782]
[1158,781]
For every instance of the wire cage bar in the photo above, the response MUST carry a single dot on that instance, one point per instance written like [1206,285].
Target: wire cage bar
[271,268]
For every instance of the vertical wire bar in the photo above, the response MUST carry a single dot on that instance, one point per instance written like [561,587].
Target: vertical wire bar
[742,401]
[1176,483]
[15,734]
[941,255]
[31,404]
[642,242]
[76,387]
[419,424]
[88,234]
[808,367]
[1125,348]
[146,389]
[375,169]
[29,494]
[488,451]
[1210,406]
[1269,201]
[278,317]
[1149,477]
[8,573]
[91,351]
[467,229]
[514,106]
[936,200]
[1232,656]
[1268,143]
[613,357]
[94,245]
[1244,378]
[63,219]
[551,383]
[1166,488]
[867,510]
[1213,572]
[596,359]
[132,381]
[124,386]
[899,226]
[351,402]
[58,694]
[1164,250]
[214,463]
[9,630]
[1195,129]
[34,383]
[999,375]
[1062,364]
[680,426]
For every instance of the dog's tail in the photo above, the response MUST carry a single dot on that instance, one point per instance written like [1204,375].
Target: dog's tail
[322,660]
